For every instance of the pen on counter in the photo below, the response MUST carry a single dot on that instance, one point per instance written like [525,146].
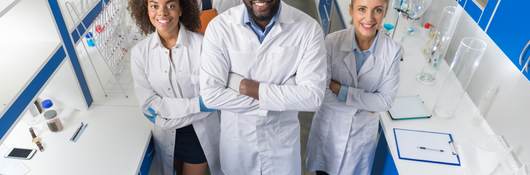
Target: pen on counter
[76,133]
[36,139]
[430,149]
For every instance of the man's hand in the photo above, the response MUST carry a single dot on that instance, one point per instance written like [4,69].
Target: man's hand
[249,88]
[334,86]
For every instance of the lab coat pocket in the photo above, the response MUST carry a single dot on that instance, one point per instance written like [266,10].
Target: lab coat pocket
[241,61]
[289,128]
[285,60]
[281,62]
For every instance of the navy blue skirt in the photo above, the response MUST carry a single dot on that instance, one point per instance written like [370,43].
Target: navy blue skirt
[187,146]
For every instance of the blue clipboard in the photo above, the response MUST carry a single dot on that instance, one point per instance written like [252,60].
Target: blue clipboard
[426,146]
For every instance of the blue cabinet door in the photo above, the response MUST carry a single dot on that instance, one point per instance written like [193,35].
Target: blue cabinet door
[461,2]
[473,9]
[481,15]
[510,29]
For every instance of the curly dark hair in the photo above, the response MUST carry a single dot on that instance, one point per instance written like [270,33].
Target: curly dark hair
[190,15]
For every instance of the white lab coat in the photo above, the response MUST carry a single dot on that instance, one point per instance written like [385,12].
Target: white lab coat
[343,135]
[263,136]
[152,69]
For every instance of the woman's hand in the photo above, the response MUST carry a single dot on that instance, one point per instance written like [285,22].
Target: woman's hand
[334,86]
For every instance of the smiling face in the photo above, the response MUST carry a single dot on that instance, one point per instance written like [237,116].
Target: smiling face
[367,16]
[262,10]
[164,15]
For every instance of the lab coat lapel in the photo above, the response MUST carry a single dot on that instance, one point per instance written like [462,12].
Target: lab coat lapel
[275,31]
[370,62]
[349,61]
[367,66]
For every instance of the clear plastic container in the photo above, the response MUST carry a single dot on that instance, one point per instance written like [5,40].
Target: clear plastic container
[53,121]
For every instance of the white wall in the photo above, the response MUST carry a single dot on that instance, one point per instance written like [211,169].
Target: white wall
[63,88]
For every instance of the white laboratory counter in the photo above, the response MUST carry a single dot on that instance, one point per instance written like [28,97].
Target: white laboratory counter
[476,143]
[114,142]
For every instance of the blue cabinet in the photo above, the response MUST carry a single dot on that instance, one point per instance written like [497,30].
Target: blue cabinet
[507,24]
[482,15]
[510,29]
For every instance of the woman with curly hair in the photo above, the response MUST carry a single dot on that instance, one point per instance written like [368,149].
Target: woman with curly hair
[165,67]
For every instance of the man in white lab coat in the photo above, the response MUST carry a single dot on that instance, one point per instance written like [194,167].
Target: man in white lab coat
[250,55]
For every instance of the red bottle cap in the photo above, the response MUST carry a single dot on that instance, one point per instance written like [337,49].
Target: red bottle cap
[427,25]
[100,28]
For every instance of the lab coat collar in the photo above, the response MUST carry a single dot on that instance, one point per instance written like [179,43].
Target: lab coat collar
[285,16]
[182,39]
[370,61]
[350,46]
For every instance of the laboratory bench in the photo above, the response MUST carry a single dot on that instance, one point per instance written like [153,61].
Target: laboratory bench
[116,140]
[477,145]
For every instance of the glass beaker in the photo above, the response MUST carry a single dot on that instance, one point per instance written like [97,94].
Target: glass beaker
[437,48]
[461,70]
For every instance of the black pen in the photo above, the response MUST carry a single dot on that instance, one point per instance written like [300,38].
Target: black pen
[430,149]
[73,138]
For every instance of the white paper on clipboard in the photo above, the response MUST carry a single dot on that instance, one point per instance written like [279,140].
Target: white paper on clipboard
[426,146]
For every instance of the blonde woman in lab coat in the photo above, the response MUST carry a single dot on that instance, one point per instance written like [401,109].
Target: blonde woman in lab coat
[165,69]
[364,81]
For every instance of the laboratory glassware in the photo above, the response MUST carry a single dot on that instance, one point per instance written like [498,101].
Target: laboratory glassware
[415,9]
[437,48]
[461,70]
